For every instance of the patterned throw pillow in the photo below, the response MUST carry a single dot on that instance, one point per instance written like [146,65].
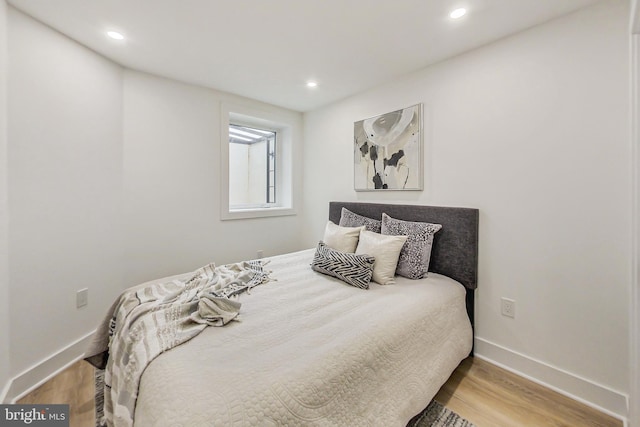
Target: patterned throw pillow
[416,253]
[356,270]
[350,219]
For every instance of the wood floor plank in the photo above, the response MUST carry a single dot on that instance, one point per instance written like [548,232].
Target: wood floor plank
[490,396]
[73,386]
[483,393]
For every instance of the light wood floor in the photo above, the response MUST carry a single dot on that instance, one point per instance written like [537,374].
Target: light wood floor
[484,394]
[489,396]
[73,386]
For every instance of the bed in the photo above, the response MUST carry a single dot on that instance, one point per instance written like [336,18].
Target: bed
[311,350]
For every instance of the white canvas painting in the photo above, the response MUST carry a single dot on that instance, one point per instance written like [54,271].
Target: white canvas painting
[388,151]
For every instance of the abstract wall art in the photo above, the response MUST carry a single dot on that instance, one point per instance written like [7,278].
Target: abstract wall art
[388,151]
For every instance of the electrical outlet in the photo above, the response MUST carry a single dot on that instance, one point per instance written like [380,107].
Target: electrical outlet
[82,297]
[508,307]
[260,253]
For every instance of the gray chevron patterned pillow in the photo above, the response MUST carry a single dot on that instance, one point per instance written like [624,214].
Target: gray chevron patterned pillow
[355,270]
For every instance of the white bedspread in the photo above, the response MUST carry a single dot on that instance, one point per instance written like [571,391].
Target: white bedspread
[311,350]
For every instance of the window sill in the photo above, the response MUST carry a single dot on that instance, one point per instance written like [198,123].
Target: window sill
[256,213]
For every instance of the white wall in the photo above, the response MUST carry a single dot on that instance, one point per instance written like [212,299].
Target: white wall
[65,185]
[4,211]
[533,131]
[172,182]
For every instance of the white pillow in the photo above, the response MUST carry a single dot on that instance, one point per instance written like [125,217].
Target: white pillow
[343,239]
[386,250]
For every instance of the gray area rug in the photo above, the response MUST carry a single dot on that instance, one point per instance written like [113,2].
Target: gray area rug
[434,415]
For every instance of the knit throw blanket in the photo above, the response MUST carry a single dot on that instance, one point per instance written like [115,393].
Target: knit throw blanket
[156,318]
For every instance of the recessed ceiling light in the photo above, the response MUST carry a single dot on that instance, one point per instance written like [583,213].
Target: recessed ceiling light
[458,13]
[312,84]
[115,35]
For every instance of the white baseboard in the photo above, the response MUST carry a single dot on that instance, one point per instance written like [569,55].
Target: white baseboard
[43,371]
[595,395]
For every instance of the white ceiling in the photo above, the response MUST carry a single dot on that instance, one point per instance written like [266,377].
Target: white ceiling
[268,49]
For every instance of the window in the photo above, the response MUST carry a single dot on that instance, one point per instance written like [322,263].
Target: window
[252,167]
[257,163]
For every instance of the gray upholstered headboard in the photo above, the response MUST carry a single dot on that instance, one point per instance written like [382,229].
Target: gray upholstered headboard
[455,246]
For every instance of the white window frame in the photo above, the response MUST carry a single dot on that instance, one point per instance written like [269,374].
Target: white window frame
[285,129]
